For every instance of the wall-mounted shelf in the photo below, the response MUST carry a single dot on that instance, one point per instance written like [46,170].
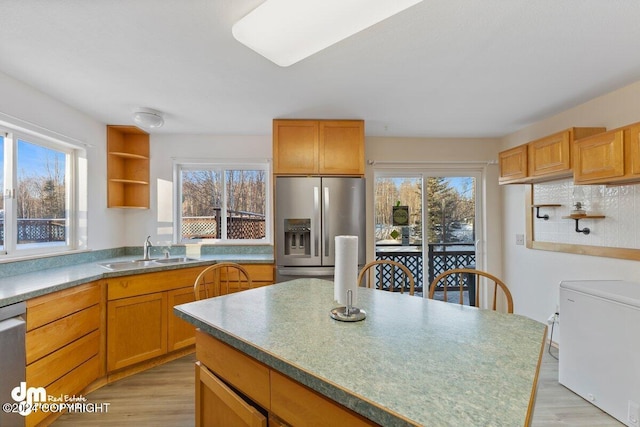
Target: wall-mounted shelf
[577,218]
[127,167]
[544,217]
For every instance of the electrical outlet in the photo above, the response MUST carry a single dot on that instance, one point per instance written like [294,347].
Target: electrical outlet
[519,239]
[634,413]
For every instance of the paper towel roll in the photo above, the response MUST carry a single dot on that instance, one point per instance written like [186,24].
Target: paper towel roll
[346,270]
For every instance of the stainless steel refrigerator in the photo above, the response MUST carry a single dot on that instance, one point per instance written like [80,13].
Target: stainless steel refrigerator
[310,212]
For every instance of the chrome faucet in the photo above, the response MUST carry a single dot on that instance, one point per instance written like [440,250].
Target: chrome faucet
[147,248]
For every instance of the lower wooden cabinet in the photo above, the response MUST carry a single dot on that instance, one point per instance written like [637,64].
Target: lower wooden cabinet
[65,342]
[141,322]
[180,334]
[137,329]
[228,380]
[218,405]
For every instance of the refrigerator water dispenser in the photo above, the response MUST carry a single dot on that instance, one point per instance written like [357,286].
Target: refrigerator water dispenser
[296,236]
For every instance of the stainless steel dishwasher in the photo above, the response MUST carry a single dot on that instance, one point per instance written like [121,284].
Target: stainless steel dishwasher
[12,359]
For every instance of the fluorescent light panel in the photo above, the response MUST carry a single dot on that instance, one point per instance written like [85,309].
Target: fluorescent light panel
[287,31]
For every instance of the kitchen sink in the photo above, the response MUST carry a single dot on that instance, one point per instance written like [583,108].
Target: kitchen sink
[137,263]
[173,260]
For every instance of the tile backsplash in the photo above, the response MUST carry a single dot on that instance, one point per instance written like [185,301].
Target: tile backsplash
[619,204]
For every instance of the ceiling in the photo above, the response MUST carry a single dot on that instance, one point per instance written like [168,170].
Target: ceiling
[443,68]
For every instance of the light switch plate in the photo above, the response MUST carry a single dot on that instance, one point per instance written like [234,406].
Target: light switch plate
[519,239]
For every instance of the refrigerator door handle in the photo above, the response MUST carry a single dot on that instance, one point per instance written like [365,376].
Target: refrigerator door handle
[316,220]
[325,221]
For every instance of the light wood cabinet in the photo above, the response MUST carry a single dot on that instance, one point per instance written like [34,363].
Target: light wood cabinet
[141,323]
[513,165]
[127,167]
[262,389]
[65,345]
[609,158]
[137,329]
[218,405]
[261,275]
[180,334]
[544,159]
[320,147]
[550,157]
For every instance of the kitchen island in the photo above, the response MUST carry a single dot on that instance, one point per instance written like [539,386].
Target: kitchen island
[412,361]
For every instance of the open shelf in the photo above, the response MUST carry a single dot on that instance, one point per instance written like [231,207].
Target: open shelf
[127,167]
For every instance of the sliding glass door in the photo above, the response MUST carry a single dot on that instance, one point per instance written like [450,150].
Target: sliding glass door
[428,220]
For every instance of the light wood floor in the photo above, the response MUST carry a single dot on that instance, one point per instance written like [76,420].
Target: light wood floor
[164,396]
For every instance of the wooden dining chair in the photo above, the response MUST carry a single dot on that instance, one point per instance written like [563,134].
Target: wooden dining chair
[458,277]
[221,279]
[376,268]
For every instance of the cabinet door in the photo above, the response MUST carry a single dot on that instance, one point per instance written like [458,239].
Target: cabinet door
[599,158]
[180,334]
[513,165]
[550,156]
[137,329]
[219,405]
[295,146]
[634,150]
[341,147]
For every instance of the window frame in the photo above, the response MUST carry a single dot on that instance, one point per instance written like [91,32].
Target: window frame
[11,249]
[222,165]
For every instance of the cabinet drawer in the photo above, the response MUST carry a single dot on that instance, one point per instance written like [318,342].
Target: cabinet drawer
[243,372]
[148,283]
[48,369]
[299,405]
[260,272]
[219,405]
[70,384]
[49,338]
[48,308]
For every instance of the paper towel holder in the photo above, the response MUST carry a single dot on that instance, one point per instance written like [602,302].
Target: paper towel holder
[348,313]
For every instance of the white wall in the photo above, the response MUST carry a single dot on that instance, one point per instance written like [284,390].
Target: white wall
[158,220]
[533,275]
[42,111]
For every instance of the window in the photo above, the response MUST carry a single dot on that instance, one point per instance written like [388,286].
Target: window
[37,211]
[223,202]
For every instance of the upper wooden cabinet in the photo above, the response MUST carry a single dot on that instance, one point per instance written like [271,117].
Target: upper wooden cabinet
[608,158]
[544,159]
[513,165]
[322,147]
[127,167]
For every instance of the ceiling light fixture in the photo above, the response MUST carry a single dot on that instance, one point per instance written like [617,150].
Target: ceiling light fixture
[287,31]
[148,118]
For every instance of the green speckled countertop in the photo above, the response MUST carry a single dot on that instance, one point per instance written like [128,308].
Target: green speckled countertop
[25,285]
[412,361]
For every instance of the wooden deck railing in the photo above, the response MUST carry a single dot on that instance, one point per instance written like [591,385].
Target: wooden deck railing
[240,225]
[441,257]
